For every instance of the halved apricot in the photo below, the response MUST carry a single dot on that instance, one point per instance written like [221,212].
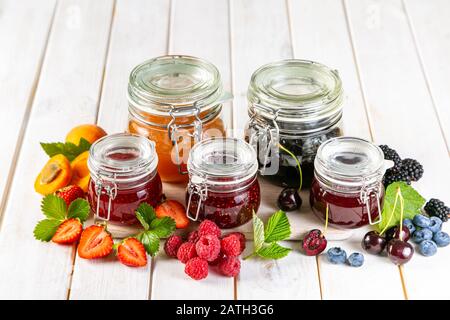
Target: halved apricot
[90,132]
[80,171]
[55,175]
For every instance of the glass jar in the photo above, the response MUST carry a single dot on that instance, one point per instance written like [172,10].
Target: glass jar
[222,182]
[348,180]
[123,175]
[298,104]
[175,101]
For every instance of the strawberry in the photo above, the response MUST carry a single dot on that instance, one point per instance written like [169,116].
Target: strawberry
[68,232]
[174,210]
[70,193]
[132,253]
[95,242]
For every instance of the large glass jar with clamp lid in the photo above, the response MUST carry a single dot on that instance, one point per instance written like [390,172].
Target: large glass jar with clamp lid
[348,182]
[296,104]
[123,175]
[222,182]
[175,101]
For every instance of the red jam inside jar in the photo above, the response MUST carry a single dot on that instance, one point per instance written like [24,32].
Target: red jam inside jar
[123,175]
[222,182]
[348,180]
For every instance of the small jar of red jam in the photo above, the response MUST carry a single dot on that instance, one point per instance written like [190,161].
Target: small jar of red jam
[222,182]
[348,176]
[123,175]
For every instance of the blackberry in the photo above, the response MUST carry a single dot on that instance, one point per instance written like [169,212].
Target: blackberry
[394,175]
[391,154]
[412,168]
[436,208]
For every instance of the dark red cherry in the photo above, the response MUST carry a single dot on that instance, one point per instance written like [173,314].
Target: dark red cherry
[394,233]
[289,200]
[314,243]
[400,252]
[373,242]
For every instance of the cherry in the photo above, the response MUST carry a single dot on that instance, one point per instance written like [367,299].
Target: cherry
[314,243]
[400,252]
[289,200]
[373,242]
[394,233]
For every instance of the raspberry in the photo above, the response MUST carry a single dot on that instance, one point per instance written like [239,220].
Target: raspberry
[186,252]
[196,268]
[231,245]
[207,227]
[230,266]
[193,237]
[208,247]
[216,261]
[172,244]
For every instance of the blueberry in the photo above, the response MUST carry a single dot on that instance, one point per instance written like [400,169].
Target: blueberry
[336,255]
[356,259]
[410,225]
[428,248]
[421,235]
[441,238]
[421,221]
[435,224]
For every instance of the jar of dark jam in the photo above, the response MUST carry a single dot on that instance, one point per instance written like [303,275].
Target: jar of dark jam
[298,104]
[222,182]
[123,175]
[348,180]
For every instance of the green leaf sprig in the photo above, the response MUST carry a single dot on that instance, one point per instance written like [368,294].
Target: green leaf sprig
[265,237]
[56,212]
[154,228]
[67,149]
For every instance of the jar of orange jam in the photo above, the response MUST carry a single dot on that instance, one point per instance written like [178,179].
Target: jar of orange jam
[175,101]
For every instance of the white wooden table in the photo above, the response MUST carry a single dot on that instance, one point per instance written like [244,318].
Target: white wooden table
[67,62]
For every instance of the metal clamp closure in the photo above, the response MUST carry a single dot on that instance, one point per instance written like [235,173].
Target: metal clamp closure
[364,197]
[109,189]
[200,189]
[173,130]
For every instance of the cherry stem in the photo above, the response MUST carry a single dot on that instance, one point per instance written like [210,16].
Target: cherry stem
[392,213]
[326,220]
[298,165]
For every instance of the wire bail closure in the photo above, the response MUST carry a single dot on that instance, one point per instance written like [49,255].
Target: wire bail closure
[173,130]
[364,197]
[110,190]
[199,188]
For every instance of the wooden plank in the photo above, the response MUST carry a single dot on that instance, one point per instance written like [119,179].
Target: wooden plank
[329,43]
[401,110]
[133,21]
[67,95]
[430,27]
[260,34]
[24,30]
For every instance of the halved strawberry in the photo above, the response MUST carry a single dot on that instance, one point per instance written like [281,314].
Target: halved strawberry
[132,253]
[68,232]
[174,210]
[70,193]
[95,243]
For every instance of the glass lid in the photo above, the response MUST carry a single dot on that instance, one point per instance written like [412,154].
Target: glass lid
[297,90]
[122,155]
[179,81]
[348,160]
[222,158]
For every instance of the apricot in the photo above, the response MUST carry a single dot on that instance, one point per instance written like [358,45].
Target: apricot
[55,175]
[80,171]
[90,132]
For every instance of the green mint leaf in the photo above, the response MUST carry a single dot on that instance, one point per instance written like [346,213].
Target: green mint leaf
[84,145]
[258,233]
[277,227]
[145,214]
[273,251]
[163,227]
[413,203]
[45,229]
[68,149]
[79,208]
[150,241]
[54,207]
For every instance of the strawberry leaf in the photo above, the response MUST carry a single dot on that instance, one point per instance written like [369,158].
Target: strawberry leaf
[145,214]
[54,207]
[79,208]
[150,241]
[45,229]
[277,227]
[258,232]
[273,251]
[163,227]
